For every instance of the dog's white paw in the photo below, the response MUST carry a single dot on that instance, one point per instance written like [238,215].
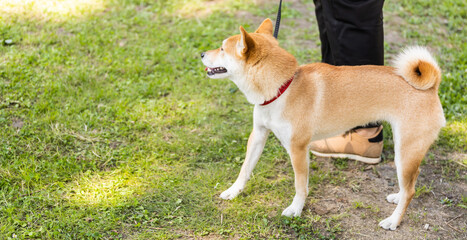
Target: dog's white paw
[393,198]
[389,223]
[231,193]
[294,210]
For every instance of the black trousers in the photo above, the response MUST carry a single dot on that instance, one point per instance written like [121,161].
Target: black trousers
[351,32]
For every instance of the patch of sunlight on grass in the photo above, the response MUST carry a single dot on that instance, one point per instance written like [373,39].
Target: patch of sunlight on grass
[459,130]
[202,8]
[48,9]
[453,137]
[458,127]
[104,189]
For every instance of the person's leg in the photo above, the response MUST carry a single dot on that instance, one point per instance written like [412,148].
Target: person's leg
[351,33]
[326,54]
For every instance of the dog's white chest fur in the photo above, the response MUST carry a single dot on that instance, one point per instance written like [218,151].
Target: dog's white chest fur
[271,117]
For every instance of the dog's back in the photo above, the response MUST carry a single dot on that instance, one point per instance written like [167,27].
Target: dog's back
[348,96]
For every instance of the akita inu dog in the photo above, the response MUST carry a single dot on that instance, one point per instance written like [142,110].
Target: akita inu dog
[300,104]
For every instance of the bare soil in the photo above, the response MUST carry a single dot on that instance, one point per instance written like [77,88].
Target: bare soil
[361,201]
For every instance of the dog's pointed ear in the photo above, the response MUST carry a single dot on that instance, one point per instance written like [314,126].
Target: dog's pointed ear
[265,27]
[246,42]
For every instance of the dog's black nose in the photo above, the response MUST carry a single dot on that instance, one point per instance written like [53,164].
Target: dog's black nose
[202,55]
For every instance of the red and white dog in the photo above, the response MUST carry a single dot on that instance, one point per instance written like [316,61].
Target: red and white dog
[300,104]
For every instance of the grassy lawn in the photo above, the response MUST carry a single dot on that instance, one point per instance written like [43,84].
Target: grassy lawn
[110,129]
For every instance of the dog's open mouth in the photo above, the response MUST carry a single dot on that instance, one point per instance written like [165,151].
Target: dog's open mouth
[216,70]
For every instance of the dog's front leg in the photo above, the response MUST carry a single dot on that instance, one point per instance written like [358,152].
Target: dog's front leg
[300,162]
[254,149]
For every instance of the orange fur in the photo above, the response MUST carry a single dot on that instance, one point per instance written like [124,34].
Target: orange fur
[276,66]
[422,75]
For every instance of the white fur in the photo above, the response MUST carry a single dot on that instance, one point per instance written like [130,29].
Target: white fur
[257,140]
[412,54]
[236,73]
[391,222]
[393,198]
[270,116]
[295,209]
[246,88]
[240,46]
[267,117]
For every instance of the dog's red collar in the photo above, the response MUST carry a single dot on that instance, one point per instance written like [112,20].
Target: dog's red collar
[279,92]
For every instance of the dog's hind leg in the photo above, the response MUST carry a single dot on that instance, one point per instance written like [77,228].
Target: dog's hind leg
[300,161]
[255,147]
[411,145]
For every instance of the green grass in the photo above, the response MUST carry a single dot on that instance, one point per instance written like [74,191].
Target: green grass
[361,205]
[421,190]
[109,127]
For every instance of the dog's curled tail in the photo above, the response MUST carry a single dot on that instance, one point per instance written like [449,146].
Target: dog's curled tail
[418,68]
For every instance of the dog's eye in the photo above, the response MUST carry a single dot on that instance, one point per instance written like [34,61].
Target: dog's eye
[222,49]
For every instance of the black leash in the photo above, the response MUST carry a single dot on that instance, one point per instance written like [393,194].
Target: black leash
[278,20]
